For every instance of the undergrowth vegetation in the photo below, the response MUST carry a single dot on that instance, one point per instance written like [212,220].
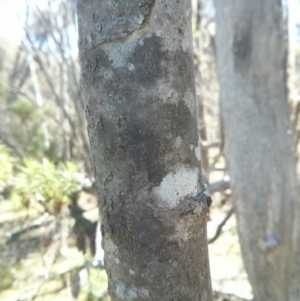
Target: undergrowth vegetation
[48,189]
[30,181]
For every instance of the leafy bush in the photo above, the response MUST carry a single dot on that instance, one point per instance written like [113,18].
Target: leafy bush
[24,109]
[6,167]
[3,88]
[7,277]
[34,133]
[46,183]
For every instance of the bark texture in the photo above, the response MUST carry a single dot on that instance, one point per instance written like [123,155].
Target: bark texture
[138,82]
[260,144]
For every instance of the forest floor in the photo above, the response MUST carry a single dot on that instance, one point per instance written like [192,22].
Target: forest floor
[34,268]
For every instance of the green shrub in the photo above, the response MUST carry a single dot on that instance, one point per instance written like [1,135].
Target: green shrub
[3,88]
[7,277]
[24,109]
[6,167]
[46,183]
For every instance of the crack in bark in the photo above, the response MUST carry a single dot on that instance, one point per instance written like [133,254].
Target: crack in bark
[115,29]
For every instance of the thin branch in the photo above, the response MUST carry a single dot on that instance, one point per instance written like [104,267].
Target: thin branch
[39,222]
[219,186]
[220,226]
[210,144]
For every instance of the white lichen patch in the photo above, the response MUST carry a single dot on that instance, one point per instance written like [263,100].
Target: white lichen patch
[183,231]
[198,153]
[130,67]
[110,246]
[139,18]
[111,250]
[130,293]
[144,293]
[186,42]
[178,142]
[189,100]
[119,54]
[165,88]
[126,293]
[107,74]
[175,186]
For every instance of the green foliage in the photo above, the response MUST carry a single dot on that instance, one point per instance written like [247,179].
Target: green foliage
[44,182]
[27,128]
[35,181]
[95,287]
[6,167]
[24,109]
[35,129]
[6,276]
[3,88]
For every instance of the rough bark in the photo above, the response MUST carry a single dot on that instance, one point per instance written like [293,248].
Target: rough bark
[138,81]
[260,144]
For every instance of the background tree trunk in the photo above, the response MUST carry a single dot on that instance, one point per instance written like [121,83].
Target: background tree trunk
[260,144]
[138,80]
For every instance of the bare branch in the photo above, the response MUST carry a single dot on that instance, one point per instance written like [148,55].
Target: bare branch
[220,226]
[219,186]
[210,144]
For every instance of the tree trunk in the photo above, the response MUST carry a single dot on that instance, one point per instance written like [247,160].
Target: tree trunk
[260,146]
[138,81]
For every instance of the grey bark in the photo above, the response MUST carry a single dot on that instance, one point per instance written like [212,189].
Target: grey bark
[260,146]
[138,81]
